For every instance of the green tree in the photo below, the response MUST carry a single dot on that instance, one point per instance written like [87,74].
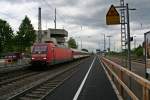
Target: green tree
[26,35]
[72,43]
[138,51]
[6,36]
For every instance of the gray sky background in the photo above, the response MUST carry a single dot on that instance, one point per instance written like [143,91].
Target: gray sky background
[83,19]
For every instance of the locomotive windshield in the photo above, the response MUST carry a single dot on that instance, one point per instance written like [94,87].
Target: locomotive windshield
[39,49]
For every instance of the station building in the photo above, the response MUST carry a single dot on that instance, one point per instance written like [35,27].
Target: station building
[55,35]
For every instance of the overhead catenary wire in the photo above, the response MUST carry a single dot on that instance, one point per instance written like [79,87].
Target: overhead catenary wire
[16,17]
[53,9]
[60,17]
[9,16]
[45,3]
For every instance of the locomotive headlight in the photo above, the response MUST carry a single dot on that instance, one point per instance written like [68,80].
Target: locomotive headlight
[44,58]
[33,58]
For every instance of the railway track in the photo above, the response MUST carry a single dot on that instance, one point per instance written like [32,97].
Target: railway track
[19,86]
[12,80]
[138,61]
[136,65]
[12,74]
[141,61]
[40,91]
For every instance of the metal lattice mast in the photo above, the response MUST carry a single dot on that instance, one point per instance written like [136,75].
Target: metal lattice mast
[123,26]
[123,31]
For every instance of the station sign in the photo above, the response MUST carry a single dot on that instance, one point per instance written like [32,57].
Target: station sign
[112,16]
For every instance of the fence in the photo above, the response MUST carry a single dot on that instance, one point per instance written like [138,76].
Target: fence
[120,77]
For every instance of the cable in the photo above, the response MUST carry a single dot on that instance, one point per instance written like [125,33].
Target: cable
[9,16]
[58,15]
[49,5]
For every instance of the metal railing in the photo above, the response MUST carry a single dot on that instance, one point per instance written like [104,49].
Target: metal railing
[118,74]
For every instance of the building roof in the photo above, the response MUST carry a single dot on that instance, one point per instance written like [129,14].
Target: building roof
[58,32]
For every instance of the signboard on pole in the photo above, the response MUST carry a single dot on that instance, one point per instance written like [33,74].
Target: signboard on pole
[147,51]
[112,17]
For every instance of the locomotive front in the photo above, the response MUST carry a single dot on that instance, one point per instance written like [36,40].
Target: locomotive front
[39,55]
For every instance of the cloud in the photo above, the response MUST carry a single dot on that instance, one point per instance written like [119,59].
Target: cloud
[74,14]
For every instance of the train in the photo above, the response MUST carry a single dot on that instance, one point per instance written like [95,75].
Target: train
[47,54]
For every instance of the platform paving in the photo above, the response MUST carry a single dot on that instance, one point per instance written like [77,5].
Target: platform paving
[96,86]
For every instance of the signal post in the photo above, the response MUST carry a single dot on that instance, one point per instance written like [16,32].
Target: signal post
[113,18]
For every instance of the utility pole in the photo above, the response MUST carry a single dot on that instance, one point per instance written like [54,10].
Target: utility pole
[128,35]
[81,44]
[104,43]
[128,38]
[55,22]
[39,26]
[134,42]
[80,38]
[99,45]
[114,46]
[109,41]
[55,19]
[46,24]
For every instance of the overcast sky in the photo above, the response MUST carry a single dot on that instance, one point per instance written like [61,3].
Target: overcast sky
[83,19]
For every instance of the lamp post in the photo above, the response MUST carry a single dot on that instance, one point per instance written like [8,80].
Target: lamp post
[128,41]
[134,41]
[104,43]
[114,46]
[128,35]
[109,41]
[80,42]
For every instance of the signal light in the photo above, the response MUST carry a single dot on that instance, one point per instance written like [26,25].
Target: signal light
[131,38]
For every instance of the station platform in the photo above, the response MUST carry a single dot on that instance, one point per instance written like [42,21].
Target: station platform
[89,83]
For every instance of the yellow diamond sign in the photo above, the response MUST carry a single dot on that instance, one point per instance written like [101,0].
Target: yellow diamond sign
[112,17]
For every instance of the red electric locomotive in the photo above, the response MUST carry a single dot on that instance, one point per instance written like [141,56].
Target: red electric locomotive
[45,54]
[49,54]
